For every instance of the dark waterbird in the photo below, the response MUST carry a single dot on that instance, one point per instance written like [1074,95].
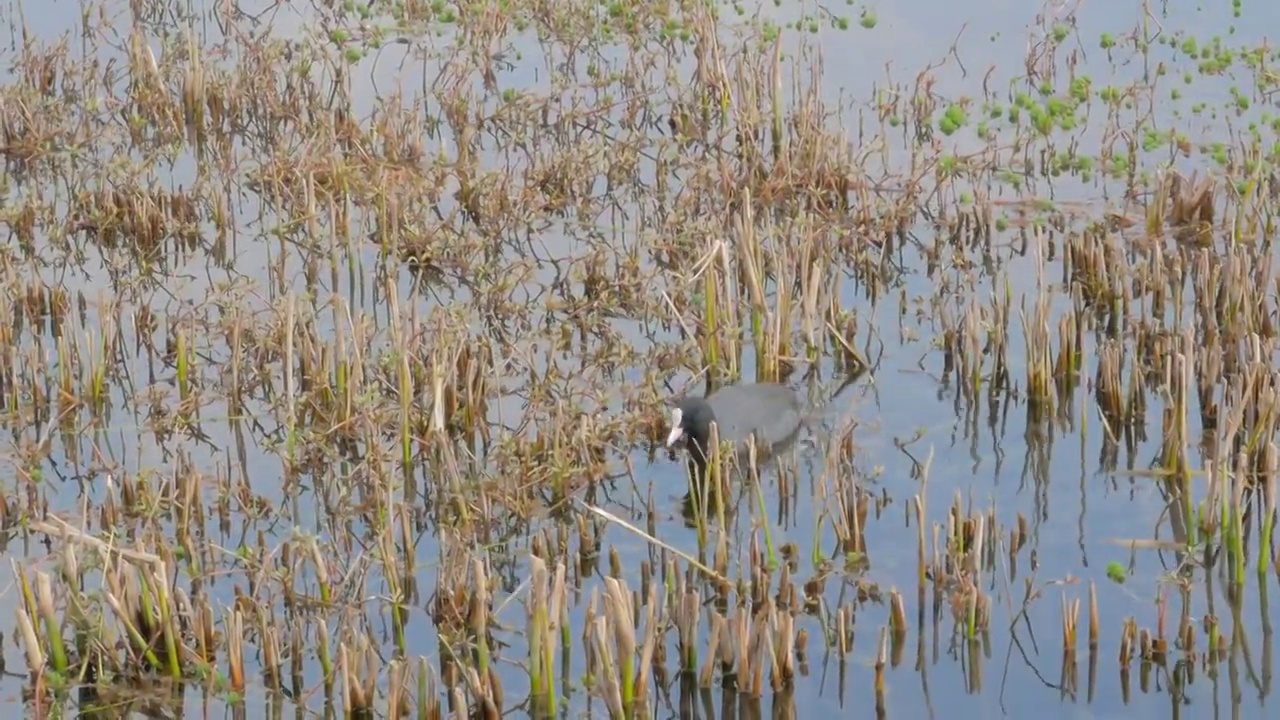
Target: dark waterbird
[767,413]
[770,415]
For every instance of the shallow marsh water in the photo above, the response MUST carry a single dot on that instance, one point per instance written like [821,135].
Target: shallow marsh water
[250,273]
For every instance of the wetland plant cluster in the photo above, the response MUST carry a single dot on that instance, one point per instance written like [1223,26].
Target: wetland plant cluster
[337,349]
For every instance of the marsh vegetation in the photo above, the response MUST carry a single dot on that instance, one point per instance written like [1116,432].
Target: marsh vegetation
[340,341]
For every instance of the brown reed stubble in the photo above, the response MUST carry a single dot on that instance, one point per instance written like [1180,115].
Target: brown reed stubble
[396,398]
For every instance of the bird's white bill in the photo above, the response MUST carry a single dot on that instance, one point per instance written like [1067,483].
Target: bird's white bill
[676,431]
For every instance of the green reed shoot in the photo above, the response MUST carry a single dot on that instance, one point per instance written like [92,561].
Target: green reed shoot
[98,388]
[322,571]
[184,367]
[541,670]
[1235,525]
[324,654]
[27,592]
[52,626]
[770,554]
[731,329]
[708,489]
[816,556]
[157,588]
[149,609]
[719,475]
[136,638]
[620,615]
[687,614]
[712,322]
[65,385]
[1268,517]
